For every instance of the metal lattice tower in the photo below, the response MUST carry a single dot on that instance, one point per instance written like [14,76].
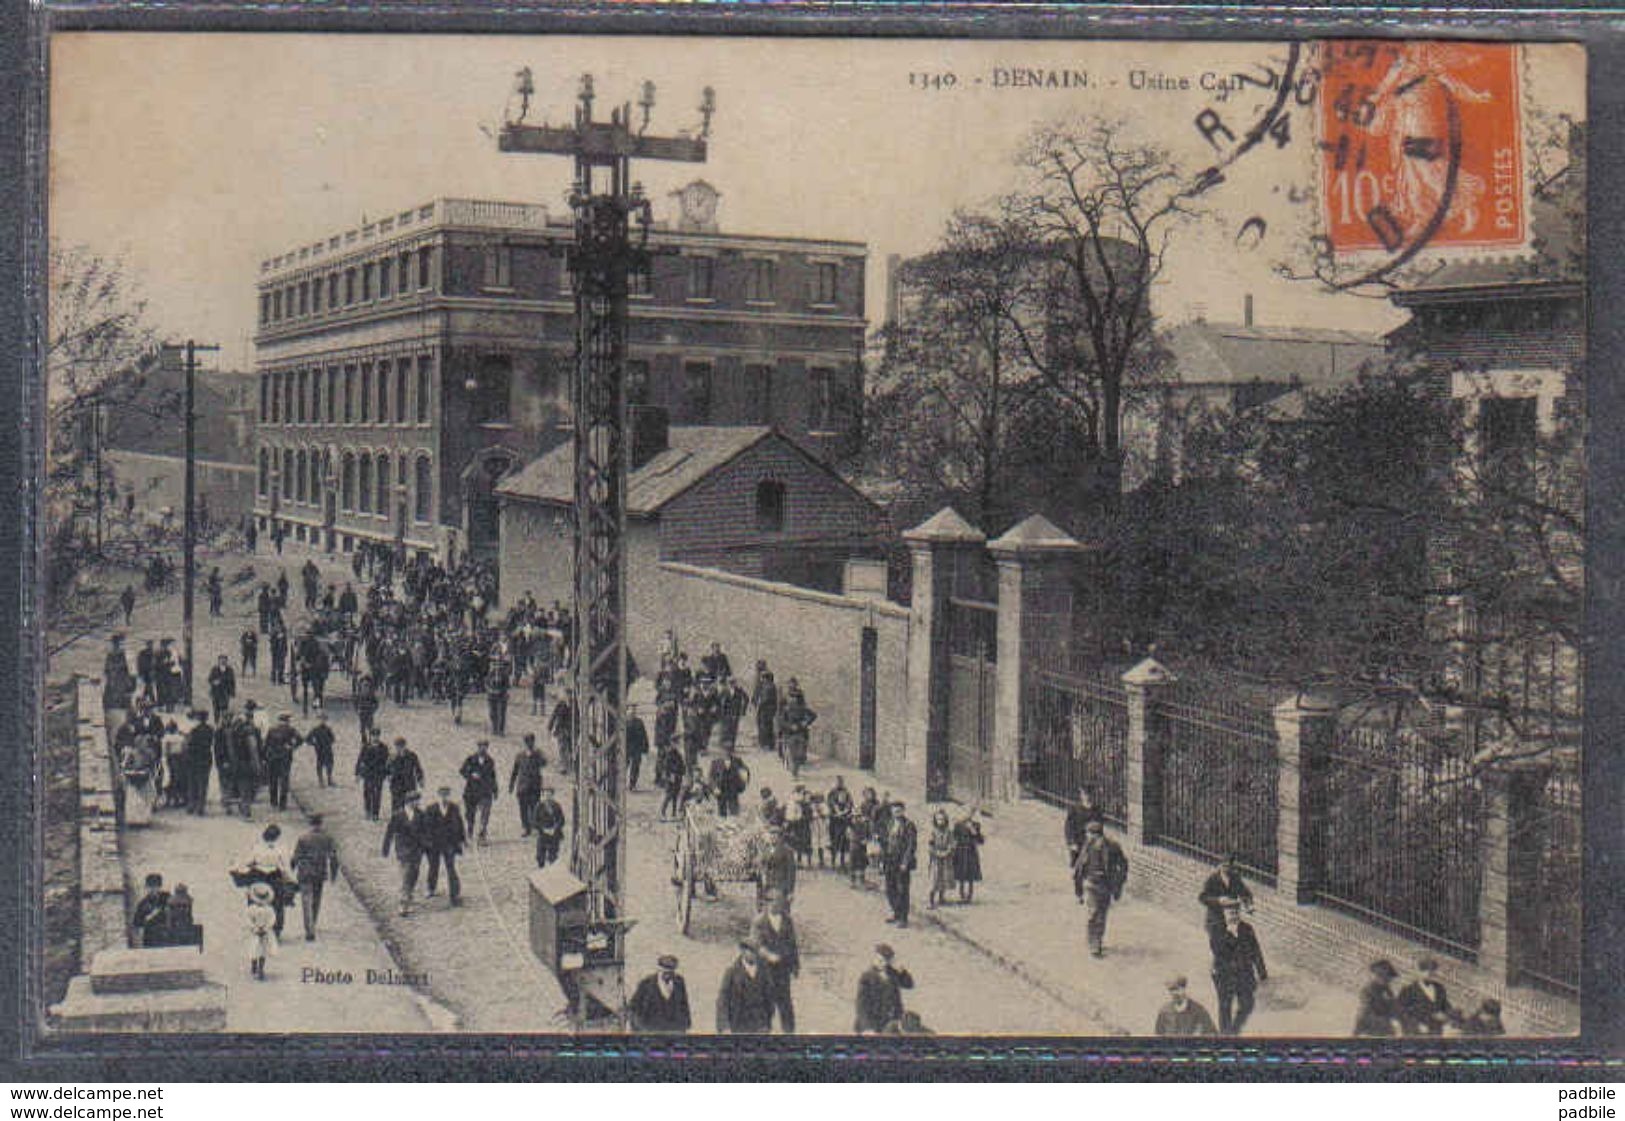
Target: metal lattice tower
[605,202]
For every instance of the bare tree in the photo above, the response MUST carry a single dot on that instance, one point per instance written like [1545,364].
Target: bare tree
[1105,208]
[96,340]
[945,398]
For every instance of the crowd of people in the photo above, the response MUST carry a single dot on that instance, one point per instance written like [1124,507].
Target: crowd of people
[426,633]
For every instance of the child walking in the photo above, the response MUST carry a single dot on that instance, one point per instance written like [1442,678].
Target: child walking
[261,929]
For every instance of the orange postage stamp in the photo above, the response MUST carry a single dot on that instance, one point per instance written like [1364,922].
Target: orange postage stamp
[1421,146]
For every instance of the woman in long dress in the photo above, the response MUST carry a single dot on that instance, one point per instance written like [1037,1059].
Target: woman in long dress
[967,855]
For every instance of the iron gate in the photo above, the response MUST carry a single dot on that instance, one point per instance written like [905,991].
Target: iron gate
[1079,729]
[1219,782]
[1550,951]
[1401,829]
[972,695]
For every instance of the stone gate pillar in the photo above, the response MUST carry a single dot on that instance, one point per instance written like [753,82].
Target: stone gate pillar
[936,546]
[1035,560]
[1511,794]
[1144,684]
[1304,728]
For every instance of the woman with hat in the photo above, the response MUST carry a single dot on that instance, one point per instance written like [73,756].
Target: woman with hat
[1378,1014]
[267,863]
[262,919]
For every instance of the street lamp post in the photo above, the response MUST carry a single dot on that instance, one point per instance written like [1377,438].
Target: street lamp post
[604,199]
[189,533]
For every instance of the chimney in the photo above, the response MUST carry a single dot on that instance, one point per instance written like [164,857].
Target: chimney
[648,425]
[1247,309]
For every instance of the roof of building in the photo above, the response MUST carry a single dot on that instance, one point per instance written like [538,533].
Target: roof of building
[1233,354]
[692,453]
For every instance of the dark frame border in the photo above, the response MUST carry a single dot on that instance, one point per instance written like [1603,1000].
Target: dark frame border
[1598,1053]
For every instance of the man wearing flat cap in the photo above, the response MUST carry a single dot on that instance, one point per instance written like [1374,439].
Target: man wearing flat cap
[444,834]
[405,833]
[880,992]
[1103,869]
[1182,1016]
[774,933]
[280,744]
[659,1005]
[745,1000]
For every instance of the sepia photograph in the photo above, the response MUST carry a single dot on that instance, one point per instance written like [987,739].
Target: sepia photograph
[559,535]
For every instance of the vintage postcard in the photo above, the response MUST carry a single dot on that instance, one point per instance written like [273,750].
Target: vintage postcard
[901,537]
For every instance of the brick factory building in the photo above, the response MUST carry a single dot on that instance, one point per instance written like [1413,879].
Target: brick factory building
[408,365]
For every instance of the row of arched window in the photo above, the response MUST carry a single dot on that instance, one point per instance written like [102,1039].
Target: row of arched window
[364,482]
[387,391]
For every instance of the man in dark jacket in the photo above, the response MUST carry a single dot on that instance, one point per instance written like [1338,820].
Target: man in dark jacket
[525,782]
[496,696]
[548,818]
[249,646]
[729,776]
[372,768]
[777,868]
[880,993]
[321,740]
[222,686]
[197,759]
[764,697]
[280,744]
[1378,1014]
[1424,1006]
[745,1000]
[405,774]
[1238,967]
[1182,1016]
[148,922]
[405,834]
[479,774]
[899,854]
[1103,869]
[774,933]
[659,1005]
[637,745]
[315,864]
[1225,885]
[245,760]
[444,834]
[1078,817]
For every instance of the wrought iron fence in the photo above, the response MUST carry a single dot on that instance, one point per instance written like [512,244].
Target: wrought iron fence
[1079,729]
[1551,943]
[1219,780]
[1401,817]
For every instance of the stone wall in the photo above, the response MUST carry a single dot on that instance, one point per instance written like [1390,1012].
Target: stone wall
[814,637]
[104,890]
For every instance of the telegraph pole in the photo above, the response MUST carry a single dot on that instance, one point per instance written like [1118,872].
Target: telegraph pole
[604,200]
[189,539]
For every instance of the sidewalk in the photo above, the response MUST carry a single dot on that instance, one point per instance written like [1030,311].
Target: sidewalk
[196,851]
[1024,919]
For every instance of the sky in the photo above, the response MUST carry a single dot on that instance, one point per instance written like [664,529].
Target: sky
[195,156]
